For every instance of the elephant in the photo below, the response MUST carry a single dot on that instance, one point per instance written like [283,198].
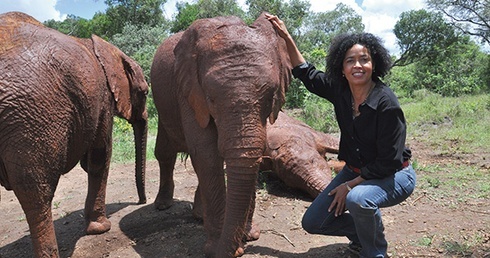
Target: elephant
[215,85]
[296,154]
[58,97]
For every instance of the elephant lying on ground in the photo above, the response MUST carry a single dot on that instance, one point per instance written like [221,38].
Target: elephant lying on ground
[296,153]
[215,85]
[58,96]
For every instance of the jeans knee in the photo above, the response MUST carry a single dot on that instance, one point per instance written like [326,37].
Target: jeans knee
[358,203]
[308,225]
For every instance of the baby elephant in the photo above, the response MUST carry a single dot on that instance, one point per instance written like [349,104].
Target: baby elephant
[58,96]
[296,153]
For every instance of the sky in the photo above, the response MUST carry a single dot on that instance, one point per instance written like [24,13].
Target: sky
[379,16]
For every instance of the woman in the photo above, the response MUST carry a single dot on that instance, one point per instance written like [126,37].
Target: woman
[372,142]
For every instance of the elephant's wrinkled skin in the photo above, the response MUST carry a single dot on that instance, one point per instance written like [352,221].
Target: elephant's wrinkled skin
[296,153]
[214,87]
[58,96]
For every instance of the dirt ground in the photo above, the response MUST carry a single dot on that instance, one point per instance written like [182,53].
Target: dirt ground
[423,226]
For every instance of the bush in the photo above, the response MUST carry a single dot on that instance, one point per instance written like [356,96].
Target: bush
[319,114]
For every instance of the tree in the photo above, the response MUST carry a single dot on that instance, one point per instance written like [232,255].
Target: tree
[422,35]
[462,69]
[188,13]
[73,26]
[136,12]
[470,16]
[320,28]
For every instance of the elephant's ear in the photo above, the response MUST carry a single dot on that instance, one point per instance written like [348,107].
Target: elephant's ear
[281,59]
[187,75]
[115,65]
[284,67]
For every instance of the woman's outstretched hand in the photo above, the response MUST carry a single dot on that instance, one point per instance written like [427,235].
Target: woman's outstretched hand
[294,55]
[279,25]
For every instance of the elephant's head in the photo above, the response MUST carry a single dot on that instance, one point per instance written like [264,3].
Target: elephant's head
[234,77]
[127,83]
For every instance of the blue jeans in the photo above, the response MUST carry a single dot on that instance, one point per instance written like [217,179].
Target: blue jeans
[362,223]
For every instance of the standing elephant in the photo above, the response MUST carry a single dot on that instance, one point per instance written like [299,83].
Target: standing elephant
[58,96]
[215,85]
[296,153]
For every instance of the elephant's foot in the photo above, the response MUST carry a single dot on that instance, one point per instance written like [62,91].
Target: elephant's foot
[210,249]
[164,199]
[163,204]
[100,226]
[252,232]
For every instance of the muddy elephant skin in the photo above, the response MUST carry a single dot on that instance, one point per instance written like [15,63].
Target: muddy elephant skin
[58,96]
[215,85]
[296,153]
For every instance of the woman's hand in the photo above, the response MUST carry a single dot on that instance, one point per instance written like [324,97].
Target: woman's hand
[338,202]
[294,55]
[279,25]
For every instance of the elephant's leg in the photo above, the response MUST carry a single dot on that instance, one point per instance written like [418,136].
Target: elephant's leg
[98,169]
[213,197]
[197,207]
[208,165]
[36,199]
[166,157]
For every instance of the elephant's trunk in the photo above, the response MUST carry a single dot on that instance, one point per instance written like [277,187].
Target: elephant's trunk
[242,154]
[140,129]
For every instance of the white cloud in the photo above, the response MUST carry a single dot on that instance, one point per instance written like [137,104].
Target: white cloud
[378,16]
[329,5]
[41,10]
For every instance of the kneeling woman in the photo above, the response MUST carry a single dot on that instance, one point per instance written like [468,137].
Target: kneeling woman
[372,143]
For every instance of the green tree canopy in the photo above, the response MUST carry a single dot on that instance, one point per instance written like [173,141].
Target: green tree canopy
[422,35]
[320,28]
[73,26]
[188,13]
[135,12]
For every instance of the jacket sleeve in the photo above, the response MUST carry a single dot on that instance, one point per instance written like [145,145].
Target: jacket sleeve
[314,80]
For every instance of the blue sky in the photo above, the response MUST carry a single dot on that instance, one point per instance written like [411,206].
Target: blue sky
[379,16]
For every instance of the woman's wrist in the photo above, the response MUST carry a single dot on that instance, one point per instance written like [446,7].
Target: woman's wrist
[347,186]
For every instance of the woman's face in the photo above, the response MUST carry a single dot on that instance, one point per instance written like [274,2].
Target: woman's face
[358,66]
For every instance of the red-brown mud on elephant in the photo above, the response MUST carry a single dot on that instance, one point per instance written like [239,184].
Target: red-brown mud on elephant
[142,231]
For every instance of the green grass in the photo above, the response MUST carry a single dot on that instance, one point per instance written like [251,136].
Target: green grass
[123,141]
[449,124]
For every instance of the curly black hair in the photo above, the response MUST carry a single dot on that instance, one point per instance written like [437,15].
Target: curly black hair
[343,42]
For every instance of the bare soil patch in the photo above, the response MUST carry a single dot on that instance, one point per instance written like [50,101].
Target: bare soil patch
[423,226]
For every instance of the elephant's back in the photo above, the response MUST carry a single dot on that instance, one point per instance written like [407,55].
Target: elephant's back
[43,101]
[163,84]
